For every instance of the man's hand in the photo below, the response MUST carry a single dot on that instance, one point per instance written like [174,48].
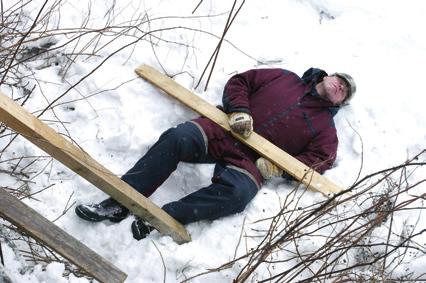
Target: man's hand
[268,169]
[241,123]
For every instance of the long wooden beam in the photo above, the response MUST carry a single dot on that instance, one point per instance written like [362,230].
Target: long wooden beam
[41,229]
[26,124]
[312,179]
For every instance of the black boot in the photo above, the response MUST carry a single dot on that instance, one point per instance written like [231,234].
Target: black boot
[141,229]
[107,209]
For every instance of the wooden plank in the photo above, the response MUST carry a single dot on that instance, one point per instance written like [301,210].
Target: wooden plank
[41,229]
[24,123]
[312,179]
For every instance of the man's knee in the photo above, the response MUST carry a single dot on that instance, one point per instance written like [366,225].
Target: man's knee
[189,142]
[186,133]
[175,210]
[243,195]
[243,189]
[171,134]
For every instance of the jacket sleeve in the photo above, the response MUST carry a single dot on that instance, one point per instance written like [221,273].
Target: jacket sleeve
[240,87]
[320,153]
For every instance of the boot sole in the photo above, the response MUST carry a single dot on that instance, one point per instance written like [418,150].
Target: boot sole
[89,216]
[136,235]
[140,234]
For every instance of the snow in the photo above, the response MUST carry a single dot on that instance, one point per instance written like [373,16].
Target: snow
[116,116]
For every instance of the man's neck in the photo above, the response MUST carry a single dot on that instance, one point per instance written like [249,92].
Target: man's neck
[319,87]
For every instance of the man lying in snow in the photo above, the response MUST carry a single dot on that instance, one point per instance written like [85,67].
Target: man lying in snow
[296,114]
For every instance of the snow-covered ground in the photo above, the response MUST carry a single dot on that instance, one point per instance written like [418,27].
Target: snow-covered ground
[116,116]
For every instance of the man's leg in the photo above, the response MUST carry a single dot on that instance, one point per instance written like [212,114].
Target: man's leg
[182,143]
[230,192]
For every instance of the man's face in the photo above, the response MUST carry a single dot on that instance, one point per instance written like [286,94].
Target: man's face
[335,89]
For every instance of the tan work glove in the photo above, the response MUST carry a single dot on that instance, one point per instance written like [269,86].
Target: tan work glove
[241,123]
[268,169]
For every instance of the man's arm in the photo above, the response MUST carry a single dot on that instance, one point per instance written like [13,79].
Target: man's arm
[239,88]
[320,153]
[236,97]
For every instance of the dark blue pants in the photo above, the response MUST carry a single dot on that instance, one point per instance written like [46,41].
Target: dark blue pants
[229,193]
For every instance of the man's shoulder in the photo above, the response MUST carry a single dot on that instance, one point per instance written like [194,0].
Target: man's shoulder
[284,71]
[313,74]
[280,71]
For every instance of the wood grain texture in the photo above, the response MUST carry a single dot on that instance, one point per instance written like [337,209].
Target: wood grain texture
[41,229]
[312,179]
[24,123]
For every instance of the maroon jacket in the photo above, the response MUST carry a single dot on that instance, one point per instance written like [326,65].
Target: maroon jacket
[286,110]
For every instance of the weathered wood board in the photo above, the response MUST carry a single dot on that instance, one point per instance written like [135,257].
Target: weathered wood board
[41,229]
